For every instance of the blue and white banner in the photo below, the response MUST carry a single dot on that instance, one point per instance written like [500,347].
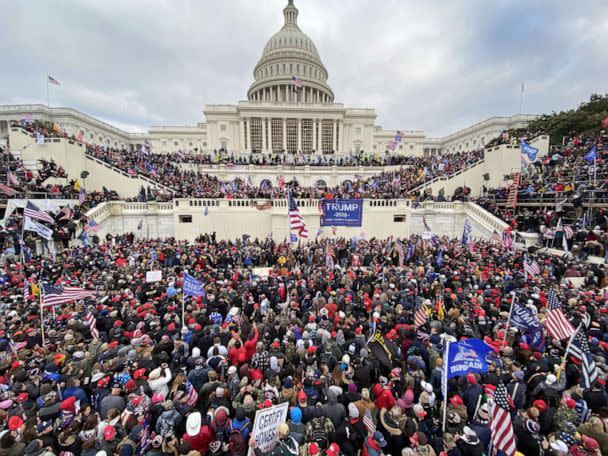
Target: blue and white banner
[193,287]
[529,151]
[466,356]
[39,228]
[342,212]
[522,318]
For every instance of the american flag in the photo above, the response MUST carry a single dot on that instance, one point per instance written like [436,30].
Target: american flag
[53,81]
[496,237]
[400,252]
[513,189]
[91,321]
[566,229]
[32,211]
[296,221]
[531,267]
[7,190]
[55,295]
[369,422]
[557,324]
[12,178]
[419,313]
[16,346]
[191,394]
[92,226]
[331,250]
[329,262]
[82,195]
[296,83]
[67,213]
[579,349]
[501,426]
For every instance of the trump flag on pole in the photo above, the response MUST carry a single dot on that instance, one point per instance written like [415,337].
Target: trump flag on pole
[193,287]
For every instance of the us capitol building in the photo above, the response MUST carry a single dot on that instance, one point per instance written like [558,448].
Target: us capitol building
[277,116]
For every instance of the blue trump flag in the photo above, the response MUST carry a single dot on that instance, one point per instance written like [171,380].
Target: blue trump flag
[591,155]
[466,356]
[522,318]
[193,287]
[531,152]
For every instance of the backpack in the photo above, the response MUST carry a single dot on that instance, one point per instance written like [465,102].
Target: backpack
[318,433]
[236,443]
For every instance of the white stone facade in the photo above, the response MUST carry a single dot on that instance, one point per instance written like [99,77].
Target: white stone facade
[290,107]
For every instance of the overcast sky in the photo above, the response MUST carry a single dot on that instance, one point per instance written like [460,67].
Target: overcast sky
[431,65]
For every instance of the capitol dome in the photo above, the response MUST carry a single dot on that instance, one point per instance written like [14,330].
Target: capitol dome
[290,54]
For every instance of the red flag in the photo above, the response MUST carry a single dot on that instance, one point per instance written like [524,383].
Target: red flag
[605,122]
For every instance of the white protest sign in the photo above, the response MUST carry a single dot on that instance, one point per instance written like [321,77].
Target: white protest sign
[265,426]
[154,276]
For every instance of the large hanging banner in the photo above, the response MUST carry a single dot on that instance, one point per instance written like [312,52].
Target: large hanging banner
[341,212]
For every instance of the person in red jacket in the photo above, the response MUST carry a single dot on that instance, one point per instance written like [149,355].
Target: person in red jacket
[251,342]
[237,353]
[384,395]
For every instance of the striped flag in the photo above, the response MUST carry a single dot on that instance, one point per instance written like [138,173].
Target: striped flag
[67,213]
[16,346]
[55,295]
[369,422]
[32,211]
[191,394]
[496,237]
[531,267]
[82,196]
[53,81]
[297,84]
[400,252]
[296,221]
[7,190]
[579,349]
[331,250]
[503,438]
[92,226]
[12,178]
[557,324]
[513,189]
[329,262]
[420,314]
[91,322]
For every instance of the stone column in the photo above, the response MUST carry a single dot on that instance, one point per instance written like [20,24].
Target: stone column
[341,137]
[335,136]
[269,121]
[263,135]
[241,134]
[248,145]
[284,134]
[299,135]
[314,134]
[320,135]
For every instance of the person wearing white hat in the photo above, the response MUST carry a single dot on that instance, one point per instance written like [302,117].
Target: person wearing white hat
[559,448]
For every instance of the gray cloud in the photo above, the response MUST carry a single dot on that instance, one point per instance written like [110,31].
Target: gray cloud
[433,66]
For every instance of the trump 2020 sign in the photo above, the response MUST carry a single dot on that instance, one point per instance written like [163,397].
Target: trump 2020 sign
[341,212]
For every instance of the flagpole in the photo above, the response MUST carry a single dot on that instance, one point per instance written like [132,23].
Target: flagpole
[521,98]
[47,92]
[504,339]
[41,288]
[446,358]
[183,299]
[563,363]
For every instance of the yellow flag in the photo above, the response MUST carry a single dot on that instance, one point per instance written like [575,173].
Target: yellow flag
[35,289]
[77,185]
[56,127]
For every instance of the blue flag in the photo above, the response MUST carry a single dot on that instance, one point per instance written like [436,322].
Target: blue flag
[466,356]
[193,287]
[530,151]
[466,232]
[440,257]
[591,155]
[293,237]
[84,238]
[534,338]
[522,318]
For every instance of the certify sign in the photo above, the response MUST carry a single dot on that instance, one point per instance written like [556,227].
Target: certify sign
[265,426]
[341,212]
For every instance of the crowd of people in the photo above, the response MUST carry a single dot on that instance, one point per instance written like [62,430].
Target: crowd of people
[562,186]
[126,372]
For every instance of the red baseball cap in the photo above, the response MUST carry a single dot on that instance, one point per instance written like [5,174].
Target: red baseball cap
[302,397]
[15,422]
